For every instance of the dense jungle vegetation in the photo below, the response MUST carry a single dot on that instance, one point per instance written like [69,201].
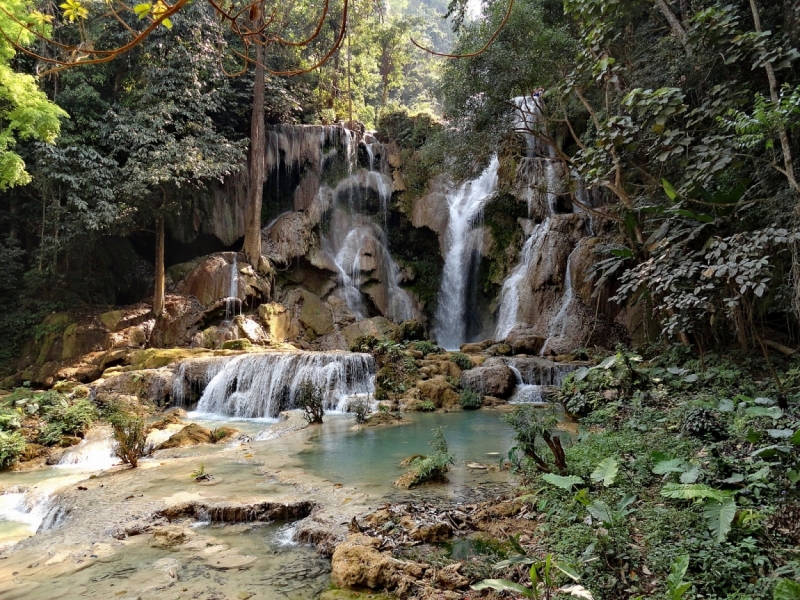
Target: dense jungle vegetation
[681,117]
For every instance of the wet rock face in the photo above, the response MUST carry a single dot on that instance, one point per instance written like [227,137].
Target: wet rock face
[523,339]
[358,563]
[239,513]
[209,280]
[495,380]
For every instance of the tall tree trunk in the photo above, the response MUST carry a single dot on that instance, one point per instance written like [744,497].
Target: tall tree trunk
[252,232]
[159,295]
[773,94]
[675,25]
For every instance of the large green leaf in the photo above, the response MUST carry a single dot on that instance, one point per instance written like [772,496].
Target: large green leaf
[606,471]
[565,483]
[503,585]
[719,516]
[786,589]
[673,465]
[600,511]
[676,586]
[773,412]
[692,491]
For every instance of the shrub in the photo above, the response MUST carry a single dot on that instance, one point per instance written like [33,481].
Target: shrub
[361,409]
[434,466]
[470,399]
[9,421]
[530,425]
[12,445]
[130,435]
[427,406]
[461,360]
[703,423]
[409,331]
[64,420]
[364,343]
[311,402]
[427,347]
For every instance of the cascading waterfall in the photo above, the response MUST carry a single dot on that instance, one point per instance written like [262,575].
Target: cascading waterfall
[533,375]
[538,170]
[465,207]
[232,302]
[262,385]
[558,326]
[510,293]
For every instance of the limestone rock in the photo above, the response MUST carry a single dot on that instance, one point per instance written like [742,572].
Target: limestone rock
[191,435]
[315,314]
[497,380]
[524,340]
[357,563]
[290,235]
[432,533]
[439,391]
[170,536]
[278,322]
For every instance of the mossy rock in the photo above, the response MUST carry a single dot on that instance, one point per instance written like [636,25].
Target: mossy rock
[112,319]
[240,344]
[155,358]
[191,435]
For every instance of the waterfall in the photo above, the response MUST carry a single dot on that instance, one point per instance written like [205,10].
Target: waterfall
[262,385]
[232,301]
[512,286]
[532,375]
[558,326]
[465,206]
[347,262]
[93,453]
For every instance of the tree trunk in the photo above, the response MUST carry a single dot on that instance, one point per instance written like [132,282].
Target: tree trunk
[675,25]
[159,296]
[252,232]
[773,94]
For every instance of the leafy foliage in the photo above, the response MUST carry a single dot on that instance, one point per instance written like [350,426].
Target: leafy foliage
[311,401]
[12,444]
[435,466]
[130,434]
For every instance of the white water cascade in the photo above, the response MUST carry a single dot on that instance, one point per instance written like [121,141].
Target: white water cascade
[465,206]
[233,305]
[262,385]
[558,326]
[507,316]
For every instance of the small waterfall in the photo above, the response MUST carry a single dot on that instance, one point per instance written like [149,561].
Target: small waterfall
[558,326]
[347,262]
[512,286]
[465,207]
[533,374]
[232,302]
[94,453]
[262,385]
[27,508]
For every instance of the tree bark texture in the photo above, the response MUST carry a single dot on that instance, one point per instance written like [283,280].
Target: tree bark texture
[159,295]
[252,234]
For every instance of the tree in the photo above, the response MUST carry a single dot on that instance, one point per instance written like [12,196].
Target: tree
[25,111]
[162,133]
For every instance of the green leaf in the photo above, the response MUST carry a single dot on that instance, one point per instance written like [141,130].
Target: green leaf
[719,516]
[167,23]
[600,511]
[786,589]
[772,412]
[795,439]
[142,10]
[770,451]
[606,471]
[675,583]
[669,190]
[726,405]
[691,475]
[503,585]
[692,491]
[565,483]
[673,465]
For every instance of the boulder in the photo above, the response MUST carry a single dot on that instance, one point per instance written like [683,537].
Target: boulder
[315,314]
[278,321]
[290,235]
[496,380]
[358,563]
[523,340]
[170,536]
[191,435]
[432,533]
[439,391]
[476,347]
